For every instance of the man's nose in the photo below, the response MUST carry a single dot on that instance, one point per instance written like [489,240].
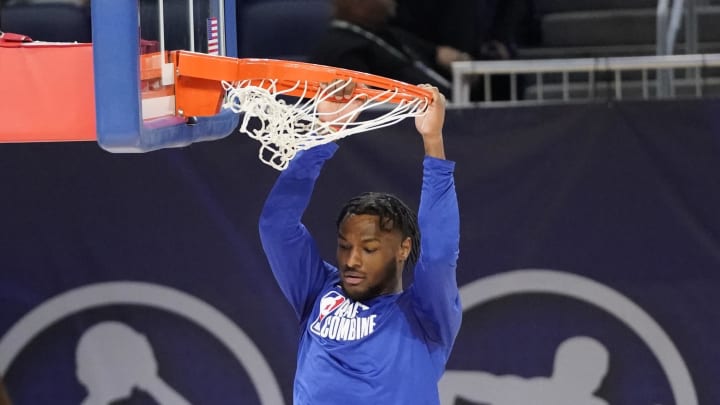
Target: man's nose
[354,260]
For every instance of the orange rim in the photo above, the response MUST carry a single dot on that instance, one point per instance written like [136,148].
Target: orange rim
[288,74]
[201,71]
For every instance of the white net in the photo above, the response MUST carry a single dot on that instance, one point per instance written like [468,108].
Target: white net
[284,127]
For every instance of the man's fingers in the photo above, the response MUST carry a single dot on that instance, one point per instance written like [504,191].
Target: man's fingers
[339,90]
[437,97]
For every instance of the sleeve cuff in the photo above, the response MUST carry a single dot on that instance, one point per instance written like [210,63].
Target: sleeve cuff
[431,162]
[310,161]
[324,152]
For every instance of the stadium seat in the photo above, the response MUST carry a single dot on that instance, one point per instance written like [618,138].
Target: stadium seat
[48,22]
[282,29]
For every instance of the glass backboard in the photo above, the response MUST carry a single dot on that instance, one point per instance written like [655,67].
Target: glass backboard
[134,77]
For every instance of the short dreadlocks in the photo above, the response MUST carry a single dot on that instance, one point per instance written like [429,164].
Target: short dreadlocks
[393,214]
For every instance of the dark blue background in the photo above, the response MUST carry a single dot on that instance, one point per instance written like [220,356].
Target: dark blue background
[624,194]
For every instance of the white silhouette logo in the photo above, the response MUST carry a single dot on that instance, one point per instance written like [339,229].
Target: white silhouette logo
[583,289]
[142,375]
[581,363]
[113,359]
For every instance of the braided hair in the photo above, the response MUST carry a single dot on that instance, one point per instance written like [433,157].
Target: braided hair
[393,214]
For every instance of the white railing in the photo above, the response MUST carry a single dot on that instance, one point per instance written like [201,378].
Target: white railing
[468,72]
[669,21]
[667,28]
[658,72]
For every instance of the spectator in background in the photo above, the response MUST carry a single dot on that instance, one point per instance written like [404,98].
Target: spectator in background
[481,28]
[360,38]
[485,29]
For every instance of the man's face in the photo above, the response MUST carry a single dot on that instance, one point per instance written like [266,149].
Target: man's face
[370,259]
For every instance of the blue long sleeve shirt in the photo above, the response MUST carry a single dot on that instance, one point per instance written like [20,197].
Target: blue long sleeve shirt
[389,350]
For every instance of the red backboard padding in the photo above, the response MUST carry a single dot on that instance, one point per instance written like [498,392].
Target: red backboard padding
[46,91]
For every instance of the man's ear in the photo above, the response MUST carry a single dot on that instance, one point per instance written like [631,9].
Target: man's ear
[405,249]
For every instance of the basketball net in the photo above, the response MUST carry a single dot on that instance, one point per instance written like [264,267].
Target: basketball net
[284,127]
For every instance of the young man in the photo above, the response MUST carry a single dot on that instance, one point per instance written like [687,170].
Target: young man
[365,340]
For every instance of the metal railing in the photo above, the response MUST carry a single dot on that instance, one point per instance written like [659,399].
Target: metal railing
[657,73]
[667,28]
[668,25]
[466,74]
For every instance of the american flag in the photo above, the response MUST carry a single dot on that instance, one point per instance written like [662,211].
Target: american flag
[213,36]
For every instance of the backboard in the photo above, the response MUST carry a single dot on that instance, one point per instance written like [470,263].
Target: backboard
[133,78]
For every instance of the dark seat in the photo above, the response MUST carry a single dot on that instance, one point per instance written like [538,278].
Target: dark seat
[282,29]
[48,22]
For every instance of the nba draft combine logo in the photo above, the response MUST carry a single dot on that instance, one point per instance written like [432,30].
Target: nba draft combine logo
[339,320]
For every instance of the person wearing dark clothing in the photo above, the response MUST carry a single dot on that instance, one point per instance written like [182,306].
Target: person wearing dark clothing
[360,38]
[481,28]
[485,29]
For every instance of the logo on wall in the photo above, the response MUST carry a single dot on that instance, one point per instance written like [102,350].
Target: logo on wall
[580,362]
[112,358]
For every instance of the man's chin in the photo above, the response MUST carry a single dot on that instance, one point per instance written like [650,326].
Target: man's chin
[354,293]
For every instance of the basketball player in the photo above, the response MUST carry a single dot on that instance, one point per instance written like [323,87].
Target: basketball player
[365,340]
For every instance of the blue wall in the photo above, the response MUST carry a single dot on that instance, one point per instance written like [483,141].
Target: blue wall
[618,204]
